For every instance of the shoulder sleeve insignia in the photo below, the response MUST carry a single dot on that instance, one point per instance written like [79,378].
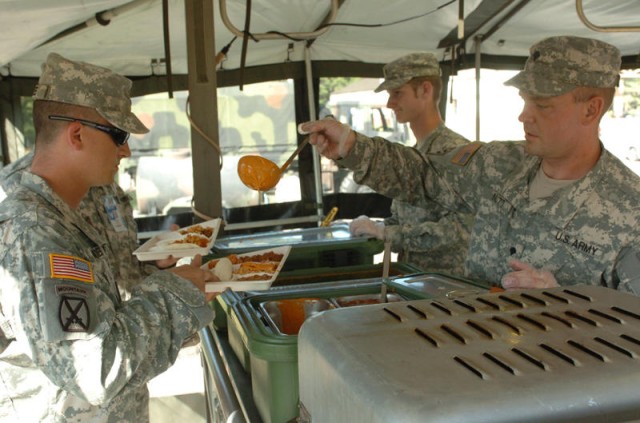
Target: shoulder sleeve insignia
[464,154]
[69,267]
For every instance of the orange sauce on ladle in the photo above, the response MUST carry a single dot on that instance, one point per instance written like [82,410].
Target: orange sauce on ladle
[258,173]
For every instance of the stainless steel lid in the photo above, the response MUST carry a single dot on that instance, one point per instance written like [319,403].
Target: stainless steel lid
[564,354]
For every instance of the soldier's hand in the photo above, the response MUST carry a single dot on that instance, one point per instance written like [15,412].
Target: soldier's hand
[169,261]
[199,277]
[333,139]
[525,276]
[363,226]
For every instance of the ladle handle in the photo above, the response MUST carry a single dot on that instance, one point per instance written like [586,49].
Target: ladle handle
[295,153]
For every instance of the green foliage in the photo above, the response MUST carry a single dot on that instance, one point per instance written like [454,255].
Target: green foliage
[329,85]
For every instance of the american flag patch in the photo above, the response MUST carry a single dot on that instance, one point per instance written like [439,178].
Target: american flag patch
[461,158]
[69,267]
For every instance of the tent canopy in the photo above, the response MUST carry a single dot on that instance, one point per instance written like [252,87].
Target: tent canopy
[129,36]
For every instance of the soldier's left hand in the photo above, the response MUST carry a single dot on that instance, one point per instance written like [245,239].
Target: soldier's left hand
[525,276]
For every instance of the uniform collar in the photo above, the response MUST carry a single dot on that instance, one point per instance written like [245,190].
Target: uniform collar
[38,185]
[566,202]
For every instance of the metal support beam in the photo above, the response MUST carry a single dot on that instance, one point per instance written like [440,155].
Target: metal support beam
[317,168]
[203,105]
[594,27]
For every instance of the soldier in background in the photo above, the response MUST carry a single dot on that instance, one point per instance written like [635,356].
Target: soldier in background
[557,208]
[71,349]
[432,237]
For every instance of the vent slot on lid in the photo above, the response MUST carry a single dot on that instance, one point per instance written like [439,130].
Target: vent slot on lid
[489,303]
[556,297]
[578,316]
[626,312]
[559,319]
[419,312]
[481,329]
[578,295]
[511,300]
[534,299]
[616,347]
[605,315]
[533,321]
[510,325]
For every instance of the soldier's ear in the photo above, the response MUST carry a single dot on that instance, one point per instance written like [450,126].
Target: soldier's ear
[427,88]
[73,134]
[593,109]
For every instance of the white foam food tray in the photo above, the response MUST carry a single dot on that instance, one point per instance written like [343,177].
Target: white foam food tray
[239,280]
[185,242]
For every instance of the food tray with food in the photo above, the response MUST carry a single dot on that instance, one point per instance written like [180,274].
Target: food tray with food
[254,270]
[185,242]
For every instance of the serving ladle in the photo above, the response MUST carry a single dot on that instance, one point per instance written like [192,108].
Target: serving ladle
[262,174]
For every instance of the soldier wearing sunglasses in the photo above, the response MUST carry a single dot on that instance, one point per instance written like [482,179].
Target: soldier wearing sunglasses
[83,352]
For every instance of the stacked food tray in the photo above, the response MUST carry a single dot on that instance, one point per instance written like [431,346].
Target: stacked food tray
[548,355]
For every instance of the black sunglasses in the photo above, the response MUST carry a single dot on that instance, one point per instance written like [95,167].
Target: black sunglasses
[118,136]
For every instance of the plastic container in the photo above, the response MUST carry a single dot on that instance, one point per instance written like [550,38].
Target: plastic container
[221,305]
[287,315]
[267,323]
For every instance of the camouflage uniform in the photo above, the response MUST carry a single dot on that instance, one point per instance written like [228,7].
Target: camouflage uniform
[106,207]
[587,232]
[70,349]
[432,237]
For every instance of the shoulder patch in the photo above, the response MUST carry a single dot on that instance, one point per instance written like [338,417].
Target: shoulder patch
[69,267]
[464,154]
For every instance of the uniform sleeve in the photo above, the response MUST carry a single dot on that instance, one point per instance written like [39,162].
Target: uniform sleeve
[393,219]
[453,227]
[459,179]
[386,167]
[627,270]
[76,332]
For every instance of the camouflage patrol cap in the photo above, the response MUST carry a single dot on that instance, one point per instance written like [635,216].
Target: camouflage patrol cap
[402,70]
[84,84]
[557,65]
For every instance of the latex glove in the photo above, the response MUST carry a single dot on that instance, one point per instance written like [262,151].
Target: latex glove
[526,276]
[333,139]
[363,226]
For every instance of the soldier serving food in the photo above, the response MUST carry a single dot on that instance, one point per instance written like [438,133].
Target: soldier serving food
[555,209]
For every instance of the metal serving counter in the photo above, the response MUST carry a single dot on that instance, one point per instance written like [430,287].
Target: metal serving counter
[563,354]
[227,385]
[249,339]
[330,246]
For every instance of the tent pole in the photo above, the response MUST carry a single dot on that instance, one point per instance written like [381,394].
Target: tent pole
[478,47]
[207,191]
[317,171]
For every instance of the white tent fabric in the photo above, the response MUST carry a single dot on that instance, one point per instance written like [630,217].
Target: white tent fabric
[132,41]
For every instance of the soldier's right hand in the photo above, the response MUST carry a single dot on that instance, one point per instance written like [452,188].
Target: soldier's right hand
[333,139]
[192,272]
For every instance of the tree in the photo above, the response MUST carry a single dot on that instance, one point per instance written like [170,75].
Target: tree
[329,85]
